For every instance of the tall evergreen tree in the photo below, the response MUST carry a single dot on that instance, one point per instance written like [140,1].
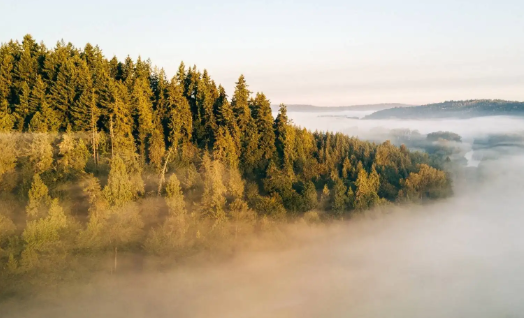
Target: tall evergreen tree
[143,113]
[261,111]
[284,139]
[240,104]
[225,117]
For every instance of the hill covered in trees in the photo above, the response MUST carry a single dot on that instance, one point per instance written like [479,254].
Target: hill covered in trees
[454,109]
[318,109]
[103,157]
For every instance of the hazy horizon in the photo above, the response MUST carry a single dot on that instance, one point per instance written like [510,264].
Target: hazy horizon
[340,53]
[125,194]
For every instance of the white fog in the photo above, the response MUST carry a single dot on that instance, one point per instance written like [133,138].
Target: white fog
[459,257]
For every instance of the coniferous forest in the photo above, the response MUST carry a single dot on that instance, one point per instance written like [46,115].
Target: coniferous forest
[101,157]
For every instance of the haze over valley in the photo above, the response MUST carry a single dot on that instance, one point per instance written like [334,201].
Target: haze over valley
[261,159]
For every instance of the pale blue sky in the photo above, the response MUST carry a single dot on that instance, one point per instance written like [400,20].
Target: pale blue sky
[329,52]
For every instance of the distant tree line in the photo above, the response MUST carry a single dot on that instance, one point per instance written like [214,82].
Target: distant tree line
[100,156]
[454,109]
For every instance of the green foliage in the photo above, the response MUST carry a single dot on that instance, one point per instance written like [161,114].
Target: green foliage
[367,185]
[111,127]
[40,153]
[39,199]
[120,188]
[338,197]
[73,154]
[427,183]
[42,237]
[9,152]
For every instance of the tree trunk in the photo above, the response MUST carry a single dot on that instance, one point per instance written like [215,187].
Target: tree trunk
[112,136]
[163,172]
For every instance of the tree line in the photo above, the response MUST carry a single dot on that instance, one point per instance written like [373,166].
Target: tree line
[454,109]
[100,155]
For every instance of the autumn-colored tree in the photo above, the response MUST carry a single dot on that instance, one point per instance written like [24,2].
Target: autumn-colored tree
[170,236]
[213,199]
[427,183]
[367,187]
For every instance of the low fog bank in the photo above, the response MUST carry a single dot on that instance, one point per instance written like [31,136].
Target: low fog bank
[468,129]
[463,257]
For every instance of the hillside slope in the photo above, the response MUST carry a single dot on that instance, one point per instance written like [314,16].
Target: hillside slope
[453,109]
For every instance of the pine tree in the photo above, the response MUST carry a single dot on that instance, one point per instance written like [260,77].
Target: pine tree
[39,199]
[284,139]
[38,95]
[8,143]
[225,117]
[114,220]
[250,154]
[63,92]
[26,67]
[310,196]
[235,184]
[73,154]
[42,238]
[160,104]
[324,198]
[6,77]
[181,123]
[40,153]
[338,197]
[22,109]
[119,189]
[143,113]
[7,229]
[224,149]
[367,188]
[84,112]
[240,104]
[261,110]
[205,101]
[121,124]
[213,199]
[157,145]
[169,237]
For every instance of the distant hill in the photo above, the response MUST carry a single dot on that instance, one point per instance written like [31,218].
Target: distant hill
[311,108]
[453,109]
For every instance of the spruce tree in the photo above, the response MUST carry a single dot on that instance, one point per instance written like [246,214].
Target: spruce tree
[213,199]
[338,197]
[39,199]
[261,111]
[225,117]
[40,153]
[143,113]
[181,123]
[6,77]
[63,91]
[240,104]
[284,139]
[119,189]
[224,149]
[22,109]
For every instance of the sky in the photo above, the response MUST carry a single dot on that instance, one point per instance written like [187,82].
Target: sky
[329,53]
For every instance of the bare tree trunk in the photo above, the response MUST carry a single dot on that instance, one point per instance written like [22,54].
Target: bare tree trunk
[163,172]
[94,141]
[112,136]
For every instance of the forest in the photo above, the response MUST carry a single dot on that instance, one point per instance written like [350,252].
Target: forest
[454,109]
[101,157]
